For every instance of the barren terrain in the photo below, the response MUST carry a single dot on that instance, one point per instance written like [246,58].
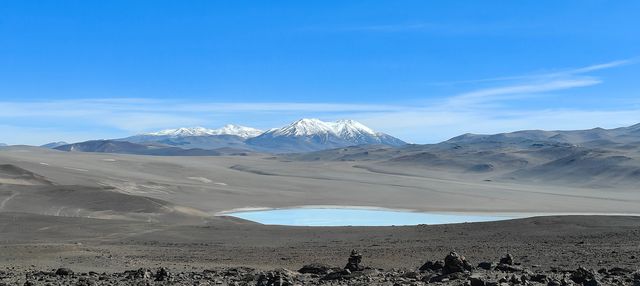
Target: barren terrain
[111,213]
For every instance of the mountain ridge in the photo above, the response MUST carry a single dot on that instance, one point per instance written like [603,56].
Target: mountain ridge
[124,147]
[229,129]
[310,134]
[619,135]
[303,135]
[591,158]
[54,144]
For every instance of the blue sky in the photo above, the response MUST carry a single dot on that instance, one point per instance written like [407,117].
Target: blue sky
[421,70]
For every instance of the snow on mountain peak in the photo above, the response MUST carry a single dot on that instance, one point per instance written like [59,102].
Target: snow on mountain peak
[351,129]
[237,130]
[229,129]
[305,127]
[183,131]
[345,129]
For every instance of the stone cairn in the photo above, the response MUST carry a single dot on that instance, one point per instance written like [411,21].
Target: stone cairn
[353,264]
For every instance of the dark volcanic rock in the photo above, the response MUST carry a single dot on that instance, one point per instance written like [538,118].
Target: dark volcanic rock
[354,262]
[344,274]
[486,265]
[448,277]
[507,265]
[509,268]
[64,272]
[507,259]
[141,273]
[539,277]
[515,279]
[554,283]
[432,265]
[162,274]
[636,278]
[583,276]
[336,276]
[618,271]
[411,275]
[454,263]
[476,281]
[315,268]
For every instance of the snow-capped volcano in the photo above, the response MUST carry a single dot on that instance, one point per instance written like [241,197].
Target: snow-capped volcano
[349,130]
[314,134]
[229,129]
[305,127]
[311,126]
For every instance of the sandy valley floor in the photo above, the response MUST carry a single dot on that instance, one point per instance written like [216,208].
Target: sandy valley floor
[115,212]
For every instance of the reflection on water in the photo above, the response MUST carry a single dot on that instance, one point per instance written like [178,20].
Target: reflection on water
[355,217]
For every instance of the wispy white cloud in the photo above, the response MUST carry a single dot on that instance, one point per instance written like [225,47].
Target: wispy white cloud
[602,66]
[515,87]
[473,112]
[512,91]
[565,73]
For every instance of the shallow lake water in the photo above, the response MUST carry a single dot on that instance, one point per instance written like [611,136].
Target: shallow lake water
[356,217]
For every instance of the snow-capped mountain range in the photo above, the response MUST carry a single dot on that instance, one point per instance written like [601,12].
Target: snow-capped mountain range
[349,130]
[303,135]
[229,129]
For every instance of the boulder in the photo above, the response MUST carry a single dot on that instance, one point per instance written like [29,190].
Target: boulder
[454,263]
[141,273]
[162,274]
[583,276]
[432,265]
[619,271]
[636,278]
[507,259]
[509,268]
[64,272]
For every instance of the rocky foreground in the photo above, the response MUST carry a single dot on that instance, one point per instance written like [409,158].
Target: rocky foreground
[453,270]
